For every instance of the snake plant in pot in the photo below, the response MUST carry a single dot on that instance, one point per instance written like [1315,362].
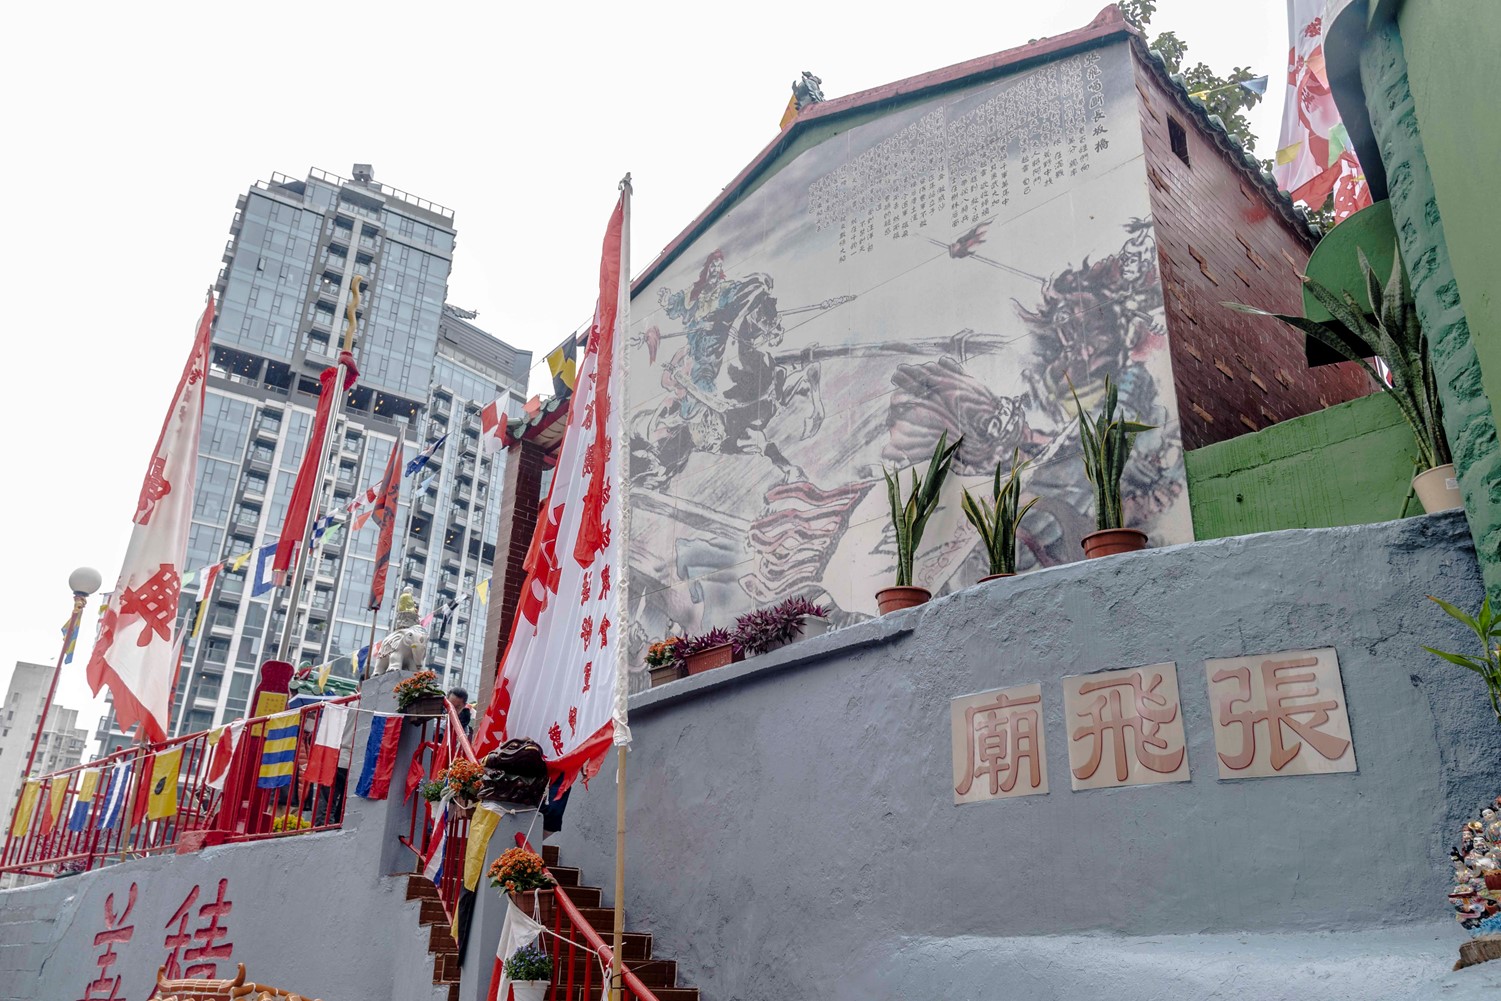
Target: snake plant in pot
[1390,331]
[997,522]
[1106,441]
[909,517]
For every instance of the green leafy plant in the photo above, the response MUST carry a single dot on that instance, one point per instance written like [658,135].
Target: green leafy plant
[909,517]
[1390,331]
[997,523]
[1487,628]
[529,963]
[1106,442]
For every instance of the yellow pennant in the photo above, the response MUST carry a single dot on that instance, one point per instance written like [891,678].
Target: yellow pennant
[161,803]
[26,807]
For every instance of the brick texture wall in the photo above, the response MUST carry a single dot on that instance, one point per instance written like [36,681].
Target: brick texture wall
[1220,239]
[518,521]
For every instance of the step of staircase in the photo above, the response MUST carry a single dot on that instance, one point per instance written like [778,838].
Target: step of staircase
[658,975]
[440,943]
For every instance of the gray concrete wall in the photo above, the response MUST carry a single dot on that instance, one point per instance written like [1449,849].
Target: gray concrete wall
[793,833]
[319,914]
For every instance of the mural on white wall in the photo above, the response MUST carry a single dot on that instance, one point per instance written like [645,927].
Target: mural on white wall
[949,266]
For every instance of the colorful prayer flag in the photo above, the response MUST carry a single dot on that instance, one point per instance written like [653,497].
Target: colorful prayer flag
[70,635]
[136,656]
[437,845]
[240,561]
[161,802]
[559,679]
[203,596]
[224,740]
[482,591]
[380,757]
[789,114]
[492,426]
[114,796]
[83,803]
[26,807]
[427,453]
[561,365]
[323,759]
[279,753]
[265,570]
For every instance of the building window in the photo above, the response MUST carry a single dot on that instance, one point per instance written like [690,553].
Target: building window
[1178,139]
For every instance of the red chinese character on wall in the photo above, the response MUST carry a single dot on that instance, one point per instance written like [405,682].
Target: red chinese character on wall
[555,734]
[586,586]
[1267,710]
[573,720]
[116,932]
[586,630]
[588,671]
[604,582]
[1126,727]
[1003,743]
[202,959]
[604,632]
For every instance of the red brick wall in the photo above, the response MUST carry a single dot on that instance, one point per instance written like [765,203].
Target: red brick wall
[1219,239]
[518,520]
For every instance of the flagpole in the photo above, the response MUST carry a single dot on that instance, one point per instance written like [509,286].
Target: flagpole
[623,644]
[336,406]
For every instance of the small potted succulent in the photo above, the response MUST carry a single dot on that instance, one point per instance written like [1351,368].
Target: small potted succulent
[420,698]
[709,650]
[998,521]
[529,969]
[1106,442]
[664,660]
[523,875]
[909,518]
[766,629]
[461,785]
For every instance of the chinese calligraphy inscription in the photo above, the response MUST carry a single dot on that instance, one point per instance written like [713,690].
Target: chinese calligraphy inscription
[998,744]
[1125,728]
[1280,714]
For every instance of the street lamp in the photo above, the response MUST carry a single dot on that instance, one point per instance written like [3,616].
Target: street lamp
[84,581]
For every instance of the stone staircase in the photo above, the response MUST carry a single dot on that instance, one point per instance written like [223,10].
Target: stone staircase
[659,975]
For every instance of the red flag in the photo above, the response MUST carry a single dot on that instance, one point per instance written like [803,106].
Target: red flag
[136,653]
[384,514]
[300,508]
[558,680]
[492,426]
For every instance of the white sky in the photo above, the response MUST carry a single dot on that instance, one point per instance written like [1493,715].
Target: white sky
[133,128]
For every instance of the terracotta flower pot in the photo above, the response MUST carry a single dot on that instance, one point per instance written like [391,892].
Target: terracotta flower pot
[708,660]
[531,902]
[419,711]
[662,675]
[995,576]
[1438,489]
[894,599]
[1110,541]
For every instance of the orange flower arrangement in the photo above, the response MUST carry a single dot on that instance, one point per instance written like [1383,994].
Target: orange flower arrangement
[423,684]
[519,870]
[663,652]
[462,779]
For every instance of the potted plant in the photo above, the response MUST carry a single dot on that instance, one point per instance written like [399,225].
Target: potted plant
[909,517]
[997,523]
[529,969]
[419,697]
[1487,629]
[522,875]
[766,629]
[1389,331]
[664,660]
[712,649]
[461,785]
[1106,443]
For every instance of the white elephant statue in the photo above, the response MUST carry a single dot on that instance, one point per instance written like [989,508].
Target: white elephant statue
[405,649]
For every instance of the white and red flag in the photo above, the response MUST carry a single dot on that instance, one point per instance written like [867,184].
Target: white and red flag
[136,652]
[1314,156]
[492,426]
[323,758]
[560,681]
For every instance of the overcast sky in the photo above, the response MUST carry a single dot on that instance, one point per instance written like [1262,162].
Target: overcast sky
[133,128]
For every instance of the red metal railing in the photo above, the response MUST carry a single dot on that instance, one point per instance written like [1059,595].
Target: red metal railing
[131,811]
[575,970]
[422,828]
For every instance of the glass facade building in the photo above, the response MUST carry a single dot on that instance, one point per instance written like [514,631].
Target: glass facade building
[425,371]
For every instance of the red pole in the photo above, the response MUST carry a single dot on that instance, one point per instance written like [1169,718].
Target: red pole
[80,598]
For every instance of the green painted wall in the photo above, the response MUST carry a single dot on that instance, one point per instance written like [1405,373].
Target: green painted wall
[1348,465]
[1450,46]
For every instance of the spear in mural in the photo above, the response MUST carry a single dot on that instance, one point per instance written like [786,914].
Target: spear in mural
[965,244]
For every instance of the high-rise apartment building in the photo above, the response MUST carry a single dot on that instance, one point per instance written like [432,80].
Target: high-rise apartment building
[425,370]
[62,740]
